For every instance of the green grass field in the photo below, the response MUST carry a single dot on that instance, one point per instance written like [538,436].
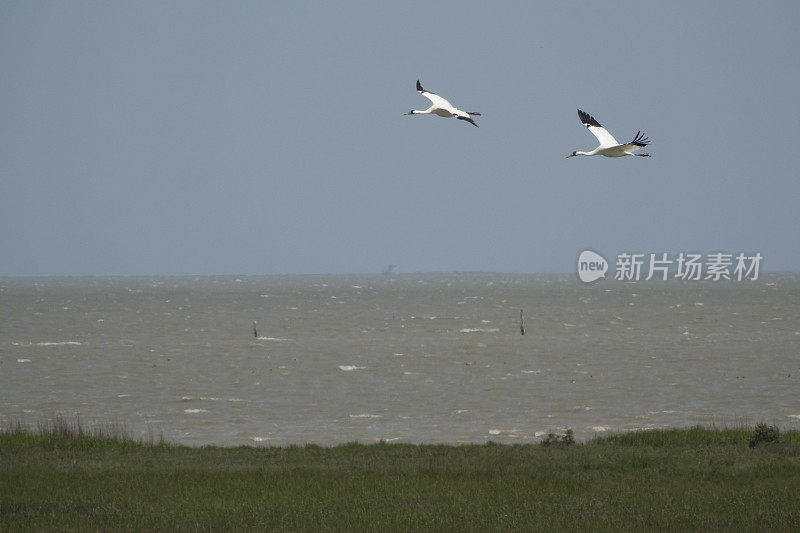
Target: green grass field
[64,477]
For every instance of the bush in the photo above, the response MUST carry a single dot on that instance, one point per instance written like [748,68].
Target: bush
[566,439]
[764,433]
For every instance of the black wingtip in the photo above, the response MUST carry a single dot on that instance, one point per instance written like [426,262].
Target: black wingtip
[587,119]
[640,139]
[468,120]
[419,86]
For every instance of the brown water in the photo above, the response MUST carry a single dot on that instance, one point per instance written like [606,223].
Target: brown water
[413,358]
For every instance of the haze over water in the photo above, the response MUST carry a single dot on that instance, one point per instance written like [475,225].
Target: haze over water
[411,358]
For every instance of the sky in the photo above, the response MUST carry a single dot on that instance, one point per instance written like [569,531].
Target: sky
[248,138]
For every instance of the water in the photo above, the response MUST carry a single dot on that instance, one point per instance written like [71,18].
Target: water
[410,358]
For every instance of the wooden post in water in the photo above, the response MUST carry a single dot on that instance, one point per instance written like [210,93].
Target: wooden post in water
[521,327]
[255,330]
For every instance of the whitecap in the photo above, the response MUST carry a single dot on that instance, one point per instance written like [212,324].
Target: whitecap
[531,371]
[194,411]
[350,368]
[209,399]
[260,439]
[504,432]
[63,343]
[365,416]
[600,429]
[276,339]
[794,416]
[23,360]
[479,330]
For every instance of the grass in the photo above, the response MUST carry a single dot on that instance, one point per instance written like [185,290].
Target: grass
[62,476]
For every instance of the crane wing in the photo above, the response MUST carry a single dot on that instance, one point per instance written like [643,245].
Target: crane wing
[435,99]
[606,139]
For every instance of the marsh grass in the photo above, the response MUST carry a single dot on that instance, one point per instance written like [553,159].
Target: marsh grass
[764,433]
[63,433]
[697,478]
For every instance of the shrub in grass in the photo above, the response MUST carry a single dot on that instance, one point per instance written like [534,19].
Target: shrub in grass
[567,439]
[764,433]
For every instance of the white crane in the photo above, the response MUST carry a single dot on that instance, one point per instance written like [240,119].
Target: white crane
[441,107]
[609,146]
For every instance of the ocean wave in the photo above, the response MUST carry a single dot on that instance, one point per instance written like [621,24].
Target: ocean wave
[505,433]
[58,343]
[195,411]
[365,416]
[209,399]
[479,330]
[64,343]
[350,368]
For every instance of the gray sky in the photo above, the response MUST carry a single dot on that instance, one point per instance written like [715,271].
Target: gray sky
[169,138]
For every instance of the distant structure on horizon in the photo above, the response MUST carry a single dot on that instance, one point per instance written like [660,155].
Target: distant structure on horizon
[389,270]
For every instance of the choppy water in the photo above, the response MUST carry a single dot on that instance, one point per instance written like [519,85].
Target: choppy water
[414,358]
